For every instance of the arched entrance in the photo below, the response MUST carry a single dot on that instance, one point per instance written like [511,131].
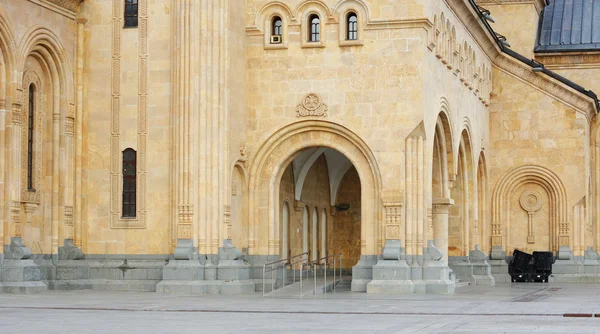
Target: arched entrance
[269,166]
[321,180]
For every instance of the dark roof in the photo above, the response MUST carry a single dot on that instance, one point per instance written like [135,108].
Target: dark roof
[569,25]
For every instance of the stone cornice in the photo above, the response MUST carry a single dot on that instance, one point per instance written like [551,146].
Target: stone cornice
[470,19]
[570,60]
[67,8]
[539,4]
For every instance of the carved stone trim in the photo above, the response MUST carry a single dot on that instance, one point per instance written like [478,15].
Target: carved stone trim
[531,201]
[32,195]
[69,126]
[518,176]
[115,150]
[459,58]
[311,105]
[539,4]
[466,14]
[393,219]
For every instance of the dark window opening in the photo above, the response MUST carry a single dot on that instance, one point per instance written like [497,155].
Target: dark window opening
[277,26]
[352,27]
[129,182]
[131,13]
[315,28]
[30,137]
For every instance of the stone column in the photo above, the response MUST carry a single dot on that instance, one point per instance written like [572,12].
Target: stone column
[14,172]
[441,206]
[184,134]
[78,129]
[3,166]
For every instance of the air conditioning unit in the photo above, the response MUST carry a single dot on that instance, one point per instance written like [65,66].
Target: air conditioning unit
[276,39]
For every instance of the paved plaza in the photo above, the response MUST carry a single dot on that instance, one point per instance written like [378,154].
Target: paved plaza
[517,308]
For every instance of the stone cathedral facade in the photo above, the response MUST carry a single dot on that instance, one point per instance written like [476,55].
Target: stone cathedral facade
[179,145]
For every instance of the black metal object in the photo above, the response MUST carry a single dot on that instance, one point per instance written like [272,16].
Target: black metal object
[542,262]
[519,267]
[525,267]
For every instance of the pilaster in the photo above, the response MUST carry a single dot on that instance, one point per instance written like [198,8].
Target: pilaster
[185,135]
[440,211]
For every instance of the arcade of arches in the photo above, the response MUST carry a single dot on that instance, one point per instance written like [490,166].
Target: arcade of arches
[180,146]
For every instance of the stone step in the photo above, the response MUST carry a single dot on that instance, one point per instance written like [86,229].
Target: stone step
[459,284]
[305,288]
[23,287]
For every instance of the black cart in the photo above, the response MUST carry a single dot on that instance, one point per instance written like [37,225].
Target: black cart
[525,267]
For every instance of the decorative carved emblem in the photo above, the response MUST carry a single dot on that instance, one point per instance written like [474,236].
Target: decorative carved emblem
[531,201]
[392,232]
[311,105]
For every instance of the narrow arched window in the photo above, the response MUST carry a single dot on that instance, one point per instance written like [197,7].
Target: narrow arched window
[129,182]
[352,27]
[131,13]
[276,30]
[30,128]
[314,31]
[277,26]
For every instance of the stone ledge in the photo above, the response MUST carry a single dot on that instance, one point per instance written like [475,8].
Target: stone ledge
[207,287]
[23,287]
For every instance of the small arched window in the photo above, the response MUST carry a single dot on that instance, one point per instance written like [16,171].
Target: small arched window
[131,13]
[30,128]
[276,30]
[352,27]
[277,27]
[129,182]
[314,28]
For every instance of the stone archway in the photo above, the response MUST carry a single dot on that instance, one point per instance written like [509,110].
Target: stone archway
[534,187]
[274,156]
[440,182]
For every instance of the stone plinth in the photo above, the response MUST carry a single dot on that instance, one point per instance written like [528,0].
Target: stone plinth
[21,276]
[482,271]
[391,274]
[436,274]
[362,272]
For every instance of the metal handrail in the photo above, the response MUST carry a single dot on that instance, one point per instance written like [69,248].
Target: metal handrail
[273,266]
[323,262]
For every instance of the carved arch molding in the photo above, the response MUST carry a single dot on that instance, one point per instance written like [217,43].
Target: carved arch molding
[512,181]
[67,4]
[32,195]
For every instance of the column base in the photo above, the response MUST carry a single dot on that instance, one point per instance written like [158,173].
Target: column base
[391,277]
[183,270]
[21,276]
[185,250]
[362,273]
[69,251]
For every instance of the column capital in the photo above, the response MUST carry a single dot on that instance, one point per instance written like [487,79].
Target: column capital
[441,205]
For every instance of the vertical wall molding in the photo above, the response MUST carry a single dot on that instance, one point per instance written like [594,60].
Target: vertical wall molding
[115,144]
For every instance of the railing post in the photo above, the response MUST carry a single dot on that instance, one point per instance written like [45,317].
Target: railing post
[315,275]
[301,270]
[341,266]
[263,279]
[334,274]
[325,274]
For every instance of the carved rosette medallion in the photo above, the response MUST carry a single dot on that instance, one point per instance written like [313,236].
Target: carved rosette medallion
[311,105]
[531,201]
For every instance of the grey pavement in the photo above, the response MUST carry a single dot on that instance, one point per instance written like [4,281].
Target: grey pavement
[508,308]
